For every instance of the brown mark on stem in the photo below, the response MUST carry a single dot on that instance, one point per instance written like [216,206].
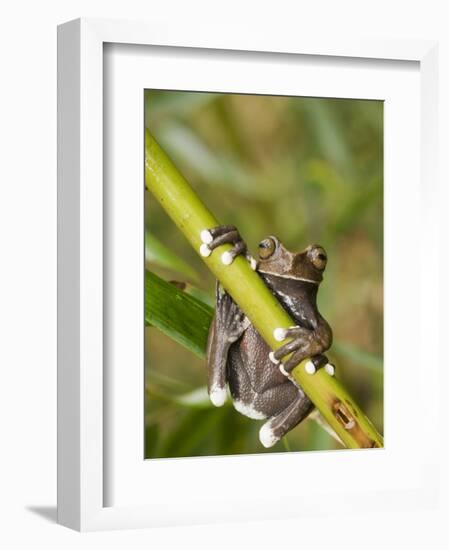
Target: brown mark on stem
[354,411]
[347,418]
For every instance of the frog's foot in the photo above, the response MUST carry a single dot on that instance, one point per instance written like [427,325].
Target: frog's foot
[217,395]
[272,431]
[303,343]
[225,234]
[295,332]
[318,362]
[300,345]
[330,369]
[267,436]
[311,367]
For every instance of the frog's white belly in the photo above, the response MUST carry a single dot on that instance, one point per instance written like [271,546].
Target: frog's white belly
[247,409]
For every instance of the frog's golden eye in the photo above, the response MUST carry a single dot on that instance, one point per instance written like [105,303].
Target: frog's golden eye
[318,257]
[266,248]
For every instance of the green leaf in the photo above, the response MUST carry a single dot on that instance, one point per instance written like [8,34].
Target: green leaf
[159,254]
[177,314]
[201,295]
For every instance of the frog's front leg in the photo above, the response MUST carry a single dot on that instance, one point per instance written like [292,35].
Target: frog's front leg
[225,234]
[304,343]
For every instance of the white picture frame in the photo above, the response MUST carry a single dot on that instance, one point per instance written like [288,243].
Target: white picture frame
[86,403]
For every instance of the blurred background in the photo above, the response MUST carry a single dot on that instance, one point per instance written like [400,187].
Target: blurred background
[309,170]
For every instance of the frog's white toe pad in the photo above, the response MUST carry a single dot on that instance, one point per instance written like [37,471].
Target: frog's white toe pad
[284,372]
[310,367]
[227,258]
[205,251]
[206,236]
[217,396]
[330,369]
[279,334]
[272,358]
[266,436]
[252,263]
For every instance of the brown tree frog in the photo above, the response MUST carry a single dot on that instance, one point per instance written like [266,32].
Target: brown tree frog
[259,380]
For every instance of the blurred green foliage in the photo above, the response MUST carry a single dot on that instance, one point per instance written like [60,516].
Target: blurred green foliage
[309,170]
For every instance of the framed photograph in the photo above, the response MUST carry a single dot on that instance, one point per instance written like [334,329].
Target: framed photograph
[283,165]
[246,229]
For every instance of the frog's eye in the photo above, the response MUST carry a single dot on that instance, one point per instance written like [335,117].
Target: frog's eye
[266,248]
[318,257]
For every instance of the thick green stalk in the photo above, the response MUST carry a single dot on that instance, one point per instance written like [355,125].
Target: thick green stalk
[249,291]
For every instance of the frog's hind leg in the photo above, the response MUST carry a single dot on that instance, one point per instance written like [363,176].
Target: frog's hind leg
[228,324]
[273,430]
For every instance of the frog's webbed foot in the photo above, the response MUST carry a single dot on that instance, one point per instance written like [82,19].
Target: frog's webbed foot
[311,367]
[304,343]
[272,431]
[318,362]
[228,325]
[225,234]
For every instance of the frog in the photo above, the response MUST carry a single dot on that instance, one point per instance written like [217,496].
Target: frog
[260,379]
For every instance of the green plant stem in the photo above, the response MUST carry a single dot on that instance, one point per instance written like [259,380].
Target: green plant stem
[249,291]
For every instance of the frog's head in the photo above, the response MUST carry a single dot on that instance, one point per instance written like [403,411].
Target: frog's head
[275,259]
